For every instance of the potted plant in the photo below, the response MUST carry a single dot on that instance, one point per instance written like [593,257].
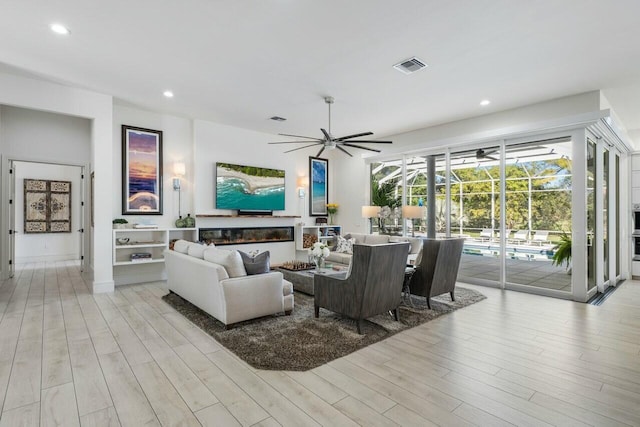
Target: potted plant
[562,253]
[120,223]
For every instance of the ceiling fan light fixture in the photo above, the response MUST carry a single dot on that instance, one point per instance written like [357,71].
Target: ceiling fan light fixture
[328,142]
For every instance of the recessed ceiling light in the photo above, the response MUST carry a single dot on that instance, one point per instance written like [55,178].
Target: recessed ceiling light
[485,102]
[168,94]
[59,29]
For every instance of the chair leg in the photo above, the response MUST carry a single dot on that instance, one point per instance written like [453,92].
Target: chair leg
[396,314]
[453,298]
[428,303]
[288,312]
[316,310]
[359,323]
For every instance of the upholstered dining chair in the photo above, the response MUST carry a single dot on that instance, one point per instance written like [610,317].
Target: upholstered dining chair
[372,286]
[437,268]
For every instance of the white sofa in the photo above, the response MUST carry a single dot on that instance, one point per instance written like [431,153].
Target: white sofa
[208,286]
[376,239]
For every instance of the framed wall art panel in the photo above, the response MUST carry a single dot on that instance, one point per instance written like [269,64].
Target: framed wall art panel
[47,206]
[318,186]
[141,171]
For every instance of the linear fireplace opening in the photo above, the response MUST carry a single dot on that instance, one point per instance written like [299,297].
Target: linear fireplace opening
[243,235]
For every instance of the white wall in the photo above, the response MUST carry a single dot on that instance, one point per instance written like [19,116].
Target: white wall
[37,135]
[47,246]
[489,125]
[220,143]
[39,95]
[460,132]
[177,139]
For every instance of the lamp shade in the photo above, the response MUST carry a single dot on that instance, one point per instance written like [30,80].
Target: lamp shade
[179,169]
[413,212]
[370,211]
[303,182]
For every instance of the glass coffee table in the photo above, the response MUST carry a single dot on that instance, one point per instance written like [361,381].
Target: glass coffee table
[303,279]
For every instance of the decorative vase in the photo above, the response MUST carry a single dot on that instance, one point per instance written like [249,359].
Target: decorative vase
[181,222]
[190,222]
[330,219]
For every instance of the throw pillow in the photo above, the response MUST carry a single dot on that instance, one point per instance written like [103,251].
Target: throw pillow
[230,260]
[258,264]
[345,246]
[181,246]
[196,250]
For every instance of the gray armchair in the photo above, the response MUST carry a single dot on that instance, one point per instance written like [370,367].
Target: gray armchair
[437,268]
[373,285]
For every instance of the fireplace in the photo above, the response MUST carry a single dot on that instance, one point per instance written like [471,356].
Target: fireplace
[243,235]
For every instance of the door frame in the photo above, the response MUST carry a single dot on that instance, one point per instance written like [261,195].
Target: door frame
[8,210]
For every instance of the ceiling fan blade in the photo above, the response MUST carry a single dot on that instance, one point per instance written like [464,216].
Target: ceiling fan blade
[298,136]
[306,146]
[294,142]
[326,134]
[320,152]
[348,144]
[370,142]
[343,150]
[355,135]
[490,157]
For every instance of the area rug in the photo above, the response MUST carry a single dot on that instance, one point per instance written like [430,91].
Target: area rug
[300,342]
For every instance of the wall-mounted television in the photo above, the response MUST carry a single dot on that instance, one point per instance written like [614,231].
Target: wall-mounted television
[249,188]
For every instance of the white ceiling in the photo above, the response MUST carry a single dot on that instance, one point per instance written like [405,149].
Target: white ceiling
[241,62]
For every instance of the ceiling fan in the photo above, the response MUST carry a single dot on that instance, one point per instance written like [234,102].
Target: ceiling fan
[481,154]
[328,142]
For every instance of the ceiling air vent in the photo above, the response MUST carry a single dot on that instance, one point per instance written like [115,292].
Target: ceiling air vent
[410,65]
[277,118]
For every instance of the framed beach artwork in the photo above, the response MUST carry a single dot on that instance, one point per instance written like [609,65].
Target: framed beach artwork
[141,171]
[319,186]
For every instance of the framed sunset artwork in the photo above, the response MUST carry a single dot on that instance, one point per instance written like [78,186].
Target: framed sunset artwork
[141,171]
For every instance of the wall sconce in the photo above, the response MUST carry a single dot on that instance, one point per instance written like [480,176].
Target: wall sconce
[413,212]
[179,170]
[370,212]
[302,183]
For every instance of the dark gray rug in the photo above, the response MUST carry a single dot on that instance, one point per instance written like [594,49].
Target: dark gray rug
[300,342]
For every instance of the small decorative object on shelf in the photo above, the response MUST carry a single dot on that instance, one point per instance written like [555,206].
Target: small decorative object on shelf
[119,223]
[140,257]
[190,221]
[122,240]
[181,222]
[319,251]
[332,209]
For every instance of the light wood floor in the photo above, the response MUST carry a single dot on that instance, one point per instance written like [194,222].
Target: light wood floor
[69,358]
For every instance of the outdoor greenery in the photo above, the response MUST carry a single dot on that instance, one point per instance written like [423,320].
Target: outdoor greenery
[471,194]
[562,250]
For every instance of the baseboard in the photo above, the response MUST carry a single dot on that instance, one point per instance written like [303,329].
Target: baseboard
[130,279]
[102,287]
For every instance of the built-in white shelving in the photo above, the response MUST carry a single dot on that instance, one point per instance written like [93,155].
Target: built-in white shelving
[321,233]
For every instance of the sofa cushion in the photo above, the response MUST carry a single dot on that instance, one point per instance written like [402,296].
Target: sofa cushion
[339,258]
[376,239]
[358,236]
[230,260]
[181,246]
[196,250]
[258,264]
[345,246]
